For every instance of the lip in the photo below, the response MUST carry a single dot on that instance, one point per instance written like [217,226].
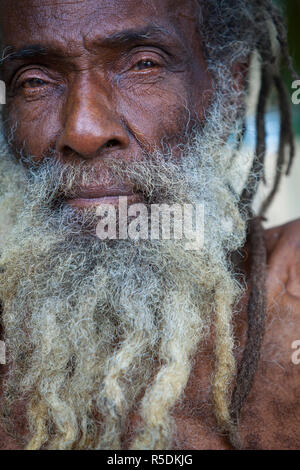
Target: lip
[85,199]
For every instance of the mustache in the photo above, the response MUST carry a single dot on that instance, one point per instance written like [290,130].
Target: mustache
[157,177]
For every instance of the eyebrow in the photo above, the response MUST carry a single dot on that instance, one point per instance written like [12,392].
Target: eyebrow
[151,32]
[24,53]
[127,37]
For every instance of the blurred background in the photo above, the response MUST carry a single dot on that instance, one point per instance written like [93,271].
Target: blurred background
[286,206]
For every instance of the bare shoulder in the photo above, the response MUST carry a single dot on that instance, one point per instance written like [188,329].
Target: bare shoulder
[283,290]
[283,280]
[274,404]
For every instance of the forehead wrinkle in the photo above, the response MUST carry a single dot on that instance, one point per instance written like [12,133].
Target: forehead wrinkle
[40,4]
[84,18]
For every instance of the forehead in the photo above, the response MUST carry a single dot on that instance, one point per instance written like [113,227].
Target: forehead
[50,21]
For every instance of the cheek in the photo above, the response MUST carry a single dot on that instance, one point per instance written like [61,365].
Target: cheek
[155,112]
[36,123]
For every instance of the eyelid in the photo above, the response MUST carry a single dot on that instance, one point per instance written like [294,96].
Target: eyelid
[145,70]
[148,50]
[35,73]
[147,55]
[29,80]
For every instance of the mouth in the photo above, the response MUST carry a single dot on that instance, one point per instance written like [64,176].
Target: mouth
[93,197]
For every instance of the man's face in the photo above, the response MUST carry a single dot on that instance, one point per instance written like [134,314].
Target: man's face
[99,78]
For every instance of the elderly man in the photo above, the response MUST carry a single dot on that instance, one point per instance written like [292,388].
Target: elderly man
[140,343]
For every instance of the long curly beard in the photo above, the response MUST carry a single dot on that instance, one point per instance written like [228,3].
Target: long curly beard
[98,330]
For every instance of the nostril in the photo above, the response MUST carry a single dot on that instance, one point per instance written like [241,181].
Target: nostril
[112,143]
[69,152]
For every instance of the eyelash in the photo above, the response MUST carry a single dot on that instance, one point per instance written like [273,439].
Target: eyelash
[155,64]
[20,83]
[33,79]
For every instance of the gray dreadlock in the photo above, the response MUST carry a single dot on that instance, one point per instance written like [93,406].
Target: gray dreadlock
[232,31]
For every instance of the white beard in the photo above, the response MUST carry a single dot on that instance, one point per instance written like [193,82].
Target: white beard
[96,330]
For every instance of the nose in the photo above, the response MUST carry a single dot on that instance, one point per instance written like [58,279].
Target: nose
[90,124]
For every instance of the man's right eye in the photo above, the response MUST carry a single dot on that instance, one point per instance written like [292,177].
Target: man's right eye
[33,83]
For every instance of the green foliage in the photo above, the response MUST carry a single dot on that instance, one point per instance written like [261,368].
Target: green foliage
[291,10]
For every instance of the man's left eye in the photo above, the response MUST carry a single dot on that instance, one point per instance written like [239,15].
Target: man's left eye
[144,64]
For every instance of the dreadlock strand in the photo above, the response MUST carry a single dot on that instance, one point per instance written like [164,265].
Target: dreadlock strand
[256,321]
[286,117]
[282,39]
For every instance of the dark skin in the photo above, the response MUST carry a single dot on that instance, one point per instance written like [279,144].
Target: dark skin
[100,78]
